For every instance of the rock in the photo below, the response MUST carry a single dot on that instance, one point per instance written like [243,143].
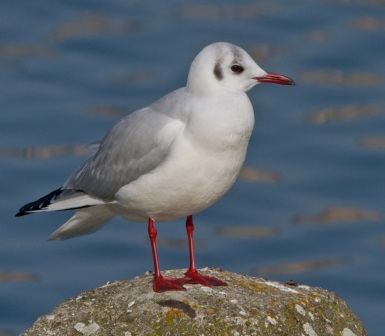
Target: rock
[247,306]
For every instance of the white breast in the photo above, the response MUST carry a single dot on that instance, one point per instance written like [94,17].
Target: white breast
[204,162]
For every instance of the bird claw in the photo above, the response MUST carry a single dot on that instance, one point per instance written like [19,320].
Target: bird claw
[162,284]
[196,278]
[166,284]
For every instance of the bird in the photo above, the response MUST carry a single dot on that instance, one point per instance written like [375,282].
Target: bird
[169,160]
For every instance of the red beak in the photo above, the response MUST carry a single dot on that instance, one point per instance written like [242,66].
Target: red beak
[275,79]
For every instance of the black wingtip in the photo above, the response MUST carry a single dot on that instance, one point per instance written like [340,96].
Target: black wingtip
[40,204]
[21,213]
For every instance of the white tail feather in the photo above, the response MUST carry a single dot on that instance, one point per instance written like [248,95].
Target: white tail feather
[73,201]
[85,221]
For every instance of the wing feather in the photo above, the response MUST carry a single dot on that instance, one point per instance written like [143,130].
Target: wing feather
[135,146]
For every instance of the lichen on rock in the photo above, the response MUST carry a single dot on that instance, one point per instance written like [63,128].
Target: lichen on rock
[247,306]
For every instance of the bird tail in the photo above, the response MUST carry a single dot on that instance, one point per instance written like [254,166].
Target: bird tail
[85,221]
[92,212]
[60,199]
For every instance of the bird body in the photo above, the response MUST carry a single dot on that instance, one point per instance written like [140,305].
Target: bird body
[201,166]
[171,159]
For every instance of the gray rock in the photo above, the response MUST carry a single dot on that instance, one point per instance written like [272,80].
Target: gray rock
[247,306]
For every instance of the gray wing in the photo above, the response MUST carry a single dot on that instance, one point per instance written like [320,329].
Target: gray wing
[135,146]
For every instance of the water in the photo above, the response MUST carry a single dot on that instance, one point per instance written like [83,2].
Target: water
[315,184]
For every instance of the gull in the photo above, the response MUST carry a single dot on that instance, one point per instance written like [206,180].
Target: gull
[171,159]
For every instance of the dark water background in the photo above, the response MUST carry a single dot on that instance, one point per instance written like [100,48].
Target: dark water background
[310,204]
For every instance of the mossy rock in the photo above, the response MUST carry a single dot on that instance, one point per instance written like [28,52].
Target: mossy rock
[247,306]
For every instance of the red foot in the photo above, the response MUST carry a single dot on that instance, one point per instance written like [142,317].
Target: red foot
[166,284]
[197,278]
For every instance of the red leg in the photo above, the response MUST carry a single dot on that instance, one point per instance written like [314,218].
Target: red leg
[192,273]
[161,284]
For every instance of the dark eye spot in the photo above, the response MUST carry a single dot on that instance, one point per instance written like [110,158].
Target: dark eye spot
[236,68]
[218,71]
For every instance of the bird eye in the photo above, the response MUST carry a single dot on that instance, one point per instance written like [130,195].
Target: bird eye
[236,68]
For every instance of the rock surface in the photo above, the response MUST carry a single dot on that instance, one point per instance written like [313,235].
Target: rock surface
[247,306]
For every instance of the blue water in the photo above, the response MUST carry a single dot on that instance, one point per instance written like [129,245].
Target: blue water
[70,69]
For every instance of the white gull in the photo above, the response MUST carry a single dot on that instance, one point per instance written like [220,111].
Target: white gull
[171,159]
